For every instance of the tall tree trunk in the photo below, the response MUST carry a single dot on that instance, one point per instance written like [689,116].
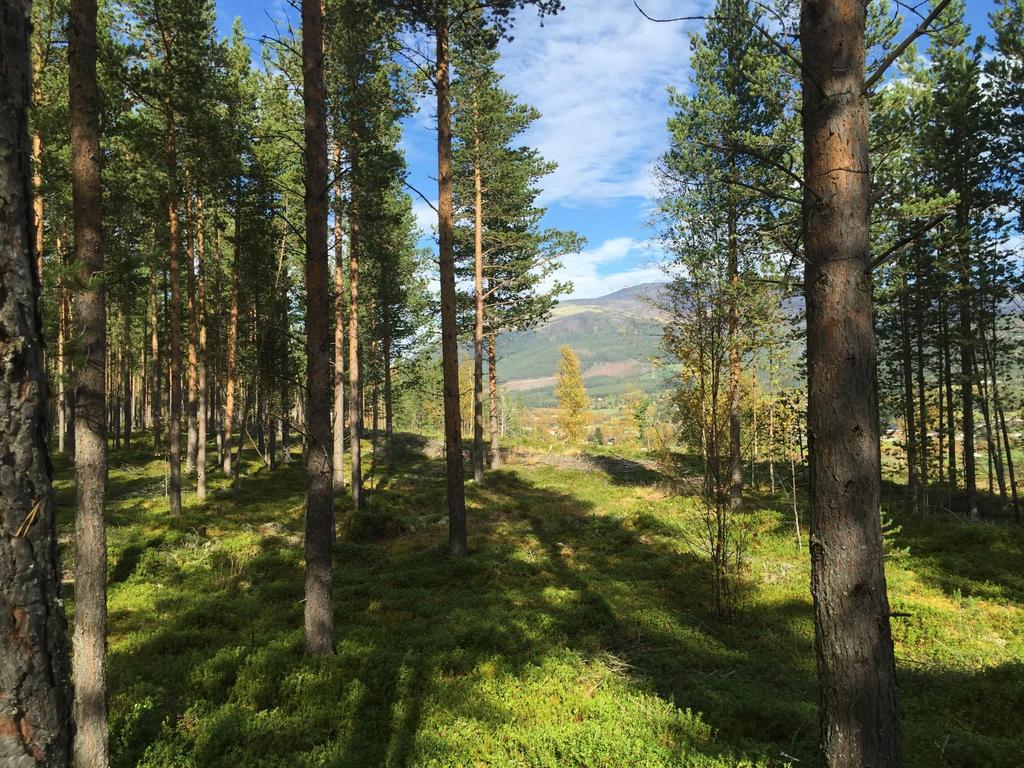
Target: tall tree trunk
[947,376]
[735,461]
[201,406]
[174,416]
[112,398]
[853,640]
[922,408]
[478,329]
[492,392]
[62,368]
[220,363]
[909,411]
[995,453]
[355,409]
[192,443]
[35,694]
[389,409]
[456,492]
[941,454]
[967,377]
[37,173]
[319,622]
[67,356]
[231,383]
[339,332]
[156,401]
[90,640]
[128,379]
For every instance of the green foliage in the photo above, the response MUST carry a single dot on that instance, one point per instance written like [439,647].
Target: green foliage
[573,403]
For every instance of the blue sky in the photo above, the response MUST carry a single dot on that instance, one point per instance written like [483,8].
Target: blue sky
[598,73]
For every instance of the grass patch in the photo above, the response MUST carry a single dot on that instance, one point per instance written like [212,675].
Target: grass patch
[576,633]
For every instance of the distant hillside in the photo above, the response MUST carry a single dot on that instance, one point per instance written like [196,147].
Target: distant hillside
[615,337]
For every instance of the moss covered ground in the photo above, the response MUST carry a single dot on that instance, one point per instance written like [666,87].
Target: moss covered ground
[576,633]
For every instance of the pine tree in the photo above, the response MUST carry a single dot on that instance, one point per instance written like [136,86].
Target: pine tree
[499,244]
[38,726]
[90,641]
[435,17]
[319,496]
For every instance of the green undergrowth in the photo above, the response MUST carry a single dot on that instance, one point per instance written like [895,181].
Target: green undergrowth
[576,633]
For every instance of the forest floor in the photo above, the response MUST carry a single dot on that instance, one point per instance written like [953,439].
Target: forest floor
[576,633]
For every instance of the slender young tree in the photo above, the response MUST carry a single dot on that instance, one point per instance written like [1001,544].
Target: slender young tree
[573,404]
[436,16]
[90,639]
[36,726]
[319,620]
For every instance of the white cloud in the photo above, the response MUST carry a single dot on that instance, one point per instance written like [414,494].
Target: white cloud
[617,263]
[598,72]
[425,215]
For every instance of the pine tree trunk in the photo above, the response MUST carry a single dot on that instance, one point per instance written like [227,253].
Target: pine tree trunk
[69,372]
[492,392]
[62,387]
[89,660]
[478,330]
[967,381]
[192,444]
[909,411]
[339,332]
[201,405]
[389,407]
[231,384]
[156,401]
[735,461]
[457,544]
[35,708]
[856,664]
[127,375]
[355,410]
[38,232]
[995,452]
[174,416]
[319,621]
[922,408]
[947,376]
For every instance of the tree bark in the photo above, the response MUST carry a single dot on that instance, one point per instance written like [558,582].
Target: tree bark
[192,443]
[201,406]
[174,332]
[339,332]
[909,411]
[37,171]
[735,461]
[319,622]
[967,379]
[456,493]
[90,642]
[35,693]
[478,330]
[355,409]
[231,383]
[156,401]
[492,392]
[853,640]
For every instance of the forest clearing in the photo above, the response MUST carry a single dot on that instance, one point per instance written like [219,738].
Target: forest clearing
[537,383]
